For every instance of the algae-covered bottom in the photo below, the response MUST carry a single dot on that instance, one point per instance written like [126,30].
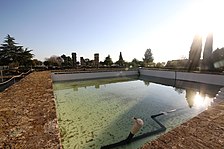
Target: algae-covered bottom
[95,113]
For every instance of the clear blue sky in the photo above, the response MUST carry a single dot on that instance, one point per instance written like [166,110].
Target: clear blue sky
[56,27]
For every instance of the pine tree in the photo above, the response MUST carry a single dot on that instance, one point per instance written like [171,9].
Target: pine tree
[10,53]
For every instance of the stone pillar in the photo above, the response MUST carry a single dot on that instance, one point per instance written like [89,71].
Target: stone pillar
[74,60]
[96,60]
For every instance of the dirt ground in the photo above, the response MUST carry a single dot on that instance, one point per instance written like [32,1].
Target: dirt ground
[28,115]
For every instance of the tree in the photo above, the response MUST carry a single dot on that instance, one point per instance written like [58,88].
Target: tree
[136,63]
[120,62]
[207,54]
[11,54]
[67,61]
[218,58]
[36,62]
[179,64]
[25,57]
[46,63]
[160,65]
[195,53]
[53,61]
[148,57]
[108,61]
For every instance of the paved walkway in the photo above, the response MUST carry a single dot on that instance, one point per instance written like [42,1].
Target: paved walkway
[205,131]
[28,115]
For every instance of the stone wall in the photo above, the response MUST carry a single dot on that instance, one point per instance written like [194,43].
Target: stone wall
[28,114]
[91,75]
[185,76]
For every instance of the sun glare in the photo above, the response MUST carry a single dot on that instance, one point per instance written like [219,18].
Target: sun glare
[206,16]
[202,101]
[201,17]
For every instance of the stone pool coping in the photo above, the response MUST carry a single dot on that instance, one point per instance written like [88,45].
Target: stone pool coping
[28,114]
[28,120]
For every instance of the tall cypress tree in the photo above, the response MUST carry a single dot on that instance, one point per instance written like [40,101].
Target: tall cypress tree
[120,62]
[207,54]
[195,53]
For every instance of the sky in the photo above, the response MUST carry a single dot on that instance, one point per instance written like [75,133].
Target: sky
[108,27]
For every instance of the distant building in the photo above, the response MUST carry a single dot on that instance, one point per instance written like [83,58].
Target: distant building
[85,62]
[82,61]
[74,60]
[96,60]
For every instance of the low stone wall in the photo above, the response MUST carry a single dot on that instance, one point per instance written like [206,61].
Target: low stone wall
[157,73]
[185,76]
[93,75]
[28,115]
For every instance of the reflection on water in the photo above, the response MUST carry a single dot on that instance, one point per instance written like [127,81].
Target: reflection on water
[97,83]
[196,94]
[197,99]
[94,113]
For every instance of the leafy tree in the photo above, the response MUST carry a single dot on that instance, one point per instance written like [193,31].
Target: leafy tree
[148,57]
[218,55]
[10,53]
[180,64]
[67,61]
[120,62]
[88,62]
[218,58]
[195,53]
[160,65]
[108,61]
[136,63]
[53,61]
[25,57]
[102,63]
[36,62]
[46,63]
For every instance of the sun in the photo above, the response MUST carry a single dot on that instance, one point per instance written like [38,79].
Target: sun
[206,16]
[202,17]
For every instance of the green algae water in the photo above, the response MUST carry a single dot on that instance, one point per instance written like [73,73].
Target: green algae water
[95,113]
